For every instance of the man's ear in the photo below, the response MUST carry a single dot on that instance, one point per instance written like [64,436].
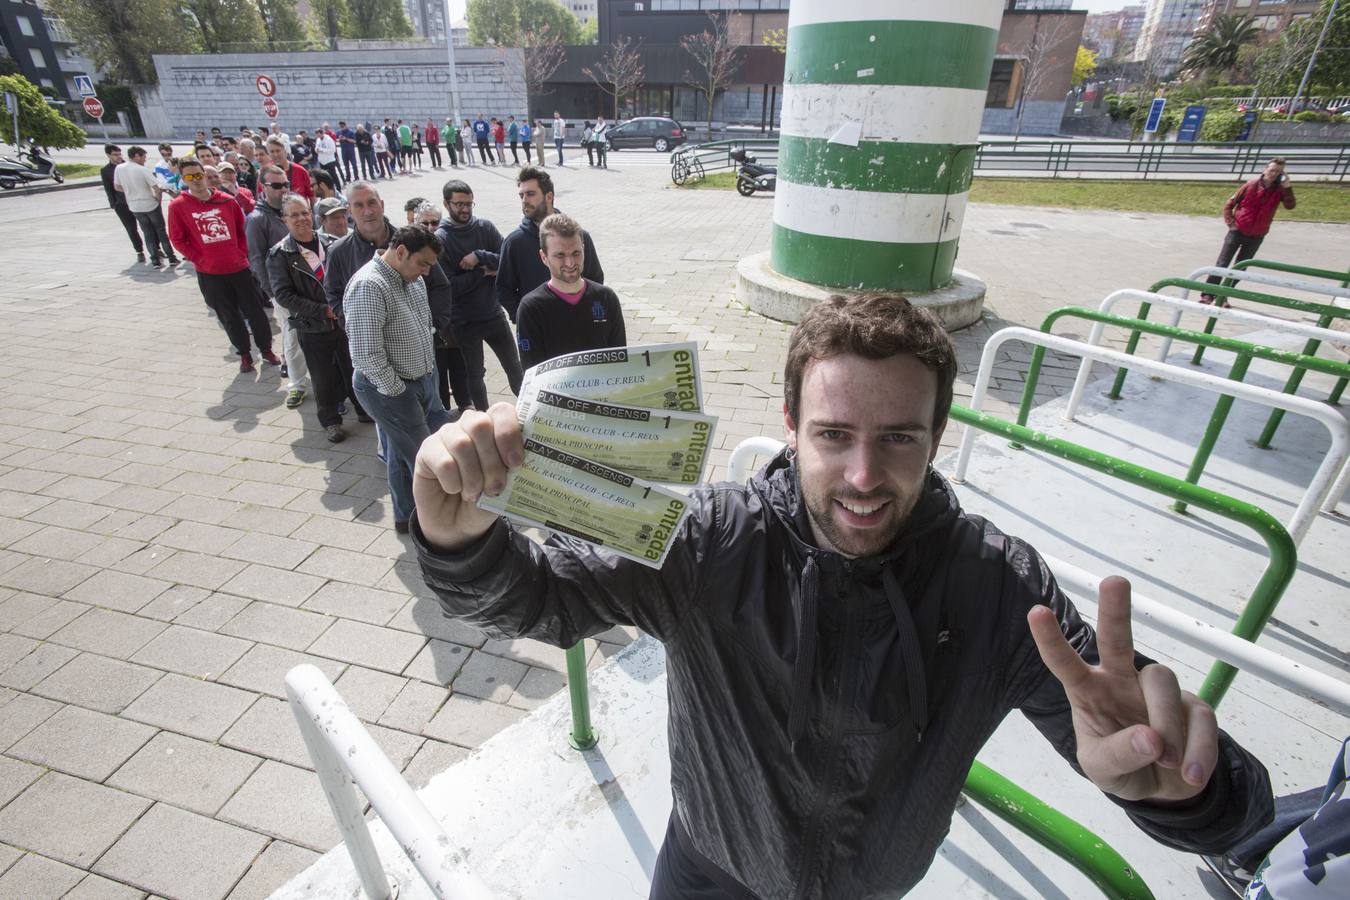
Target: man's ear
[789,427]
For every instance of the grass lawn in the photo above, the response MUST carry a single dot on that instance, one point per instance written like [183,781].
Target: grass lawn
[1317,202]
[78,170]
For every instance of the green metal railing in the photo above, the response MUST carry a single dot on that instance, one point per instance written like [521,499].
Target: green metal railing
[1343,278]
[692,162]
[1239,160]
[1244,350]
[1324,312]
[1058,833]
[1283,554]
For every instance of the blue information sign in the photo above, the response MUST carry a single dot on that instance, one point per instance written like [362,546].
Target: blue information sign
[1248,123]
[84,85]
[1190,123]
[1155,114]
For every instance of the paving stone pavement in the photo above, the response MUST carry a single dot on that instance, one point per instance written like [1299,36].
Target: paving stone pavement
[173,540]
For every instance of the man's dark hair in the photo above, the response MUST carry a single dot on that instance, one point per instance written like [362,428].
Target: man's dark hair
[415,238]
[342,124]
[411,205]
[455,186]
[136,151]
[200,146]
[558,225]
[168,147]
[109,149]
[323,178]
[873,326]
[188,162]
[534,173]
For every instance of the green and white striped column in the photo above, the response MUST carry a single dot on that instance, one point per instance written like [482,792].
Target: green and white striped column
[879,98]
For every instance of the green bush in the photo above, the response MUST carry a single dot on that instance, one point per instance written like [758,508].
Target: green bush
[1237,91]
[1221,125]
[1121,106]
[1312,115]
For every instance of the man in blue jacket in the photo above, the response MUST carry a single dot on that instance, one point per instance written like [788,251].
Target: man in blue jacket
[482,134]
[521,268]
[469,257]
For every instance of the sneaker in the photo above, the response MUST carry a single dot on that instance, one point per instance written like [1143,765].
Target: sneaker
[335,433]
[295,398]
[400,526]
[1207,299]
[245,362]
[156,262]
[173,260]
[363,416]
[270,358]
[342,408]
[140,257]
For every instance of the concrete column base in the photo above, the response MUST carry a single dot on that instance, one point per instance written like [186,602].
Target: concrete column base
[768,293]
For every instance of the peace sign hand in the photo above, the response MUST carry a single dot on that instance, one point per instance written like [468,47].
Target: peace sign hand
[1140,737]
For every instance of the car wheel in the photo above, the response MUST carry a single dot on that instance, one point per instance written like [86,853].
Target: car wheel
[661,145]
[745,187]
[58,177]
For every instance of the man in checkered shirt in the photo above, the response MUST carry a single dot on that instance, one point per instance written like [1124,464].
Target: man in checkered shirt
[389,327]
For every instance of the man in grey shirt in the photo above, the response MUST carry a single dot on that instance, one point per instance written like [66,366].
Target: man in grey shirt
[389,328]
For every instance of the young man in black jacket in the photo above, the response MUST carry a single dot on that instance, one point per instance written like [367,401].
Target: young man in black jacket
[117,202]
[567,313]
[521,270]
[470,259]
[841,639]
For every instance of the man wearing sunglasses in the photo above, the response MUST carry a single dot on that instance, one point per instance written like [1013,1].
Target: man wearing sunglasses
[279,152]
[207,227]
[265,228]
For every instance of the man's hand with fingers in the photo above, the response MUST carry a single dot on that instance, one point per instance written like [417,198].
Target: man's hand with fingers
[1140,737]
[458,464]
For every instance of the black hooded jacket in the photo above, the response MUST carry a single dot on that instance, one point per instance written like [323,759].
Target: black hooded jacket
[520,270]
[473,292]
[824,711]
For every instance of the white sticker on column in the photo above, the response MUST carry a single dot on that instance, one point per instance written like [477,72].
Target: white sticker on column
[848,134]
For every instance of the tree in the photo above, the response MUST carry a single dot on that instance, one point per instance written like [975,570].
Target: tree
[541,53]
[619,72]
[379,20]
[717,60]
[225,25]
[281,25]
[331,20]
[1038,61]
[500,23]
[1084,64]
[1331,73]
[590,31]
[1281,63]
[775,38]
[1217,48]
[122,35]
[37,120]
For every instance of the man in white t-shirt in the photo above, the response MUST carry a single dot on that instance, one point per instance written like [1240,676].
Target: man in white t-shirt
[559,133]
[326,152]
[142,191]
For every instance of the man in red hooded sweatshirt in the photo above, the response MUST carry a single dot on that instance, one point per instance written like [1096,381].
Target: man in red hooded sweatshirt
[1248,214]
[207,227]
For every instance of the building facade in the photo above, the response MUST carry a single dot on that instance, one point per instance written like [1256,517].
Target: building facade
[42,48]
[1032,71]
[1113,35]
[1270,15]
[1169,26]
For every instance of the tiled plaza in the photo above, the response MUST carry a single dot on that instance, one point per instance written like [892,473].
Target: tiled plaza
[173,539]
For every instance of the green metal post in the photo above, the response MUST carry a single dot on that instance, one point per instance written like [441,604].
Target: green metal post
[1216,422]
[1310,271]
[1279,570]
[583,735]
[1200,349]
[1050,828]
[1291,387]
[1130,346]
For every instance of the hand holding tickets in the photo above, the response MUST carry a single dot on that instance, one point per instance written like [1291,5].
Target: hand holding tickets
[593,433]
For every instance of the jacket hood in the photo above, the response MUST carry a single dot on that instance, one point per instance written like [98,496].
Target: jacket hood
[467,228]
[779,487]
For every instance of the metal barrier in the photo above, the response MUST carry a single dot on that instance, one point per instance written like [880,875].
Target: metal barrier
[1180,306]
[1245,351]
[344,754]
[1310,271]
[1145,158]
[692,162]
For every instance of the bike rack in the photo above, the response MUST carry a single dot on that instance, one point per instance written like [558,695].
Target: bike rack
[1324,488]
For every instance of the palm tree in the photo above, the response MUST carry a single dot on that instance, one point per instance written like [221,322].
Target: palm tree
[1216,49]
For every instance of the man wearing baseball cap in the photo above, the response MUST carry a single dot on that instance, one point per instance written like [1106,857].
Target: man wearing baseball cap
[330,217]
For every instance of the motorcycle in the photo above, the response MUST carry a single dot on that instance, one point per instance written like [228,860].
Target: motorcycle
[751,176]
[32,165]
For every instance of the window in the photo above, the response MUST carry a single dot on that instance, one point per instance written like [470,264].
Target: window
[25,25]
[47,83]
[1002,84]
[38,59]
[1242,3]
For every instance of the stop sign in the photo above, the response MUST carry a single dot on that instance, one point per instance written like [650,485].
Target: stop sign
[94,107]
[270,107]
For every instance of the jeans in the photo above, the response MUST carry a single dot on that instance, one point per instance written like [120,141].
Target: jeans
[501,153]
[349,162]
[405,422]
[515,157]
[434,151]
[369,169]
[558,142]
[330,370]
[496,333]
[332,170]
[234,299]
[156,235]
[128,219]
[1244,246]
[601,149]
[451,154]
[484,152]
[452,379]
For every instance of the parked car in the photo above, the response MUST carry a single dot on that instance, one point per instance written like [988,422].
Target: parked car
[657,132]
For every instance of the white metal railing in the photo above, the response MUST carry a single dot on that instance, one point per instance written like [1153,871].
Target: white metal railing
[344,756]
[1179,306]
[1230,648]
[1324,490]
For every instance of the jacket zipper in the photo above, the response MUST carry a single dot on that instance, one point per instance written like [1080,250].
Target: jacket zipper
[816,828]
